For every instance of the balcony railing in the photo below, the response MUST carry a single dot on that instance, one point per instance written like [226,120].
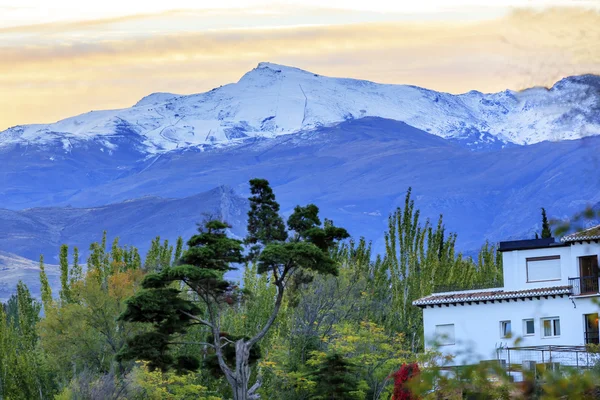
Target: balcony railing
[584,285]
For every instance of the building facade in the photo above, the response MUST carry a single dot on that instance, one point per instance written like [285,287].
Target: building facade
[548,302]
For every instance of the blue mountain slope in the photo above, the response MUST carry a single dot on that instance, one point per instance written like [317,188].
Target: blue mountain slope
[31,232]
[41,175]
[357,172]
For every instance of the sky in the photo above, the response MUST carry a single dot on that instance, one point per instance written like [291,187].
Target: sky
[62,58]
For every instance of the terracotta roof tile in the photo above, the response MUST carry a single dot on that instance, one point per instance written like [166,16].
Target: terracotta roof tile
[588,234]
[491,294]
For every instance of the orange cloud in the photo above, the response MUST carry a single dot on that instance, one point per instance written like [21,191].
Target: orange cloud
[43,83]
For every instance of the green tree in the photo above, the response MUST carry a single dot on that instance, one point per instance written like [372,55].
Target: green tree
[546,231]
[99,259]
[202,270]
[178,250]
[65,294]
[265,225]
[418,257]
[136,259]
[46,290]
[82,336]
[85,335]
[25,373]
[76,272]
[159,256]
[158,385]
[336,379]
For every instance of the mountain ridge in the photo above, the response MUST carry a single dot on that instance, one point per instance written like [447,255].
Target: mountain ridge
[273,100]
[357,171]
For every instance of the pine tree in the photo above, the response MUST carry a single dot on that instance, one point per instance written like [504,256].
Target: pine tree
[202,267]
[45,289]
[264,223]
[65,294]
[546,231]
[336,379]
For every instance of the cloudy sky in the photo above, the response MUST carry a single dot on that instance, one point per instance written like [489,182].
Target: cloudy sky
[64,57]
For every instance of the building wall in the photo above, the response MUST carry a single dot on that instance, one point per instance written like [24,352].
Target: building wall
[580,250]
[477,326]
[515,265]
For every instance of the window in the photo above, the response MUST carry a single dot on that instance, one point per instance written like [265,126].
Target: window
[551,327]
[528,327]
[588,274]
[505,331]
[445,334]
[591,333]
[541,269]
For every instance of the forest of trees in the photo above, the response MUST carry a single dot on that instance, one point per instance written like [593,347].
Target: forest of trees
[317,315]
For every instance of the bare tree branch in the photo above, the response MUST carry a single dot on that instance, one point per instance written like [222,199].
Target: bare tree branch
[195,318]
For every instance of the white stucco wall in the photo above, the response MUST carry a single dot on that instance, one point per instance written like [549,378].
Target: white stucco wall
[515,264]
[515,267]
[477,326]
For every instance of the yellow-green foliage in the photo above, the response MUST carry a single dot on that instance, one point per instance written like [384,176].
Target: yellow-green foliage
[155,385]
[490,381]
[367,345]
[85,334]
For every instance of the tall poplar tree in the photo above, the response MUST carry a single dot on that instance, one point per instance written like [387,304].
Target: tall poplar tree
[178,250]
[76,272]
[45,289]
[420,258]
[65,293]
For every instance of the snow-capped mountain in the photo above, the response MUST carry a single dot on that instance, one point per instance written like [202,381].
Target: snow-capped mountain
[273,100]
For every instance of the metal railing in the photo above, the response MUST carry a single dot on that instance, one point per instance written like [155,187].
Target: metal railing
[584,285]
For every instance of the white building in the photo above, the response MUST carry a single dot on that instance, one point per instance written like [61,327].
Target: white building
[547,302]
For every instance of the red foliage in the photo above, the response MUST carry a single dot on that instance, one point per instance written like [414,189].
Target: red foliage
[401,377]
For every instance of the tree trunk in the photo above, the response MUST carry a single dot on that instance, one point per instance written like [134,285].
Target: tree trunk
[242,370]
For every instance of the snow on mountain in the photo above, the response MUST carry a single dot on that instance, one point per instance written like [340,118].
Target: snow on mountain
[273,100]
[156,98]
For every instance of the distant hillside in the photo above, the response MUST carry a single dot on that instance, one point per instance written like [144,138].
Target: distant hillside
[14,269]
[31,232]
[357,172]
